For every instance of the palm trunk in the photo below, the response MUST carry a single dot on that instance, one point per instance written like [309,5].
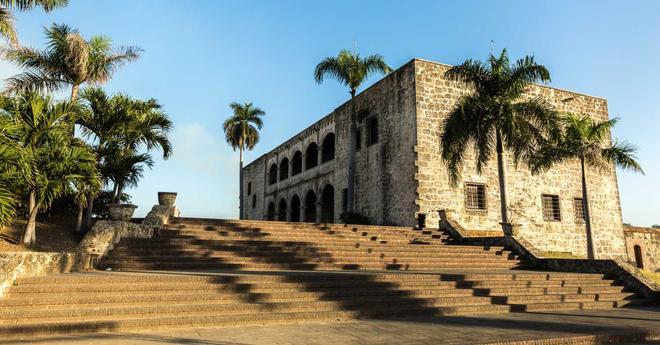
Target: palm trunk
[29,235]
[115,190]
[502,181]
[240,187]
[587,217]
[90,208]
[74,96]
[352,133]
[120,191]
[79,219]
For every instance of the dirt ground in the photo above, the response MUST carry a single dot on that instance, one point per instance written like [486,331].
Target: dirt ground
[56,234]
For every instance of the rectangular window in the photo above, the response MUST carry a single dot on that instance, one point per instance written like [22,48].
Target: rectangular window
[475,196]
[372,130]
[254,201]
[249,188]
[358,139]
[578,208]
[551,209]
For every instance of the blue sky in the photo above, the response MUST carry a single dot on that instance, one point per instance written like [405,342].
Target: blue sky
[201,55]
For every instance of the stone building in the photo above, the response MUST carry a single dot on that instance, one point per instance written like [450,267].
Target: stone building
[643,247]
[400,175]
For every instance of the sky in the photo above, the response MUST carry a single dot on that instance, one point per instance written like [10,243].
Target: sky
[199,56]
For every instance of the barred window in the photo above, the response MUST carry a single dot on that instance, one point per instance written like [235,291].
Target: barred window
[475,196]
[578,207]
[551,209]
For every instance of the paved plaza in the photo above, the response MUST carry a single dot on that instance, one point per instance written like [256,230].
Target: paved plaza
[576,327]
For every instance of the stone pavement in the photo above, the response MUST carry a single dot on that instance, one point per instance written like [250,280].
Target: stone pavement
[630,326]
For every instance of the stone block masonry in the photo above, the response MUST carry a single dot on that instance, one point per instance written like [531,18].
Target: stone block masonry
[643,247]
[400,174]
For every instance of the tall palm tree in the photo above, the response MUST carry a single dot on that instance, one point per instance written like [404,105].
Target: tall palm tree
[68,60]
[118,122]
[242,132]
[351,70]
[496,117]
[48,160]
[586,140]
[7,198]
[7,29]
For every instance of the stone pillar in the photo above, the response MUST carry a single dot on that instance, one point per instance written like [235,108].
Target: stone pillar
[318,210]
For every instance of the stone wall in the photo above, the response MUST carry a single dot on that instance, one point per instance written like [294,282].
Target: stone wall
[436,96]
[384,171]
[648,242]
[28,264]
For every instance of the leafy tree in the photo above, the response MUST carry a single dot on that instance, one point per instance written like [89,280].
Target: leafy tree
[655,226]
[119,127]
[48,159]
[68,60]
[496,117]
[7,197]
[242,132]
[7,29]
[586,140]
[351,70]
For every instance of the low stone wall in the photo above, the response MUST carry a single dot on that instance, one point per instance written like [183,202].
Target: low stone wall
[646,242]
[27,264]
[96,243]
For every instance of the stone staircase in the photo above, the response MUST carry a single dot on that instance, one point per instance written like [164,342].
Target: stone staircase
[202,273]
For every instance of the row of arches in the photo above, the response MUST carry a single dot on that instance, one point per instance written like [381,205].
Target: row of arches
[310,209]
[295,166]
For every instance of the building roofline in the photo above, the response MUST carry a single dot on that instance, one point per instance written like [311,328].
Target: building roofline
[383,79]
[539,85]
[333,111]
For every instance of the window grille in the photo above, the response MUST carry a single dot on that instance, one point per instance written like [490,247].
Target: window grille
[551,209]
[475,196]
[578,206]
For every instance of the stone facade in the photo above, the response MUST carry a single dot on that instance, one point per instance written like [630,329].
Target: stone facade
[402,176]
[643,247]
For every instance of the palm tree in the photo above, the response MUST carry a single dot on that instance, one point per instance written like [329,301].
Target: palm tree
[118,122]
[68,60]
[351,70]
[587,141]
[7,197]
[124,168]
[496,117]
[48,160]
[7,29]
[242,132]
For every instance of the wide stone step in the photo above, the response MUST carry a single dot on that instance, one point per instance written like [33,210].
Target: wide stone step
[131,264]
[361,252]
[231,257]
[213,319]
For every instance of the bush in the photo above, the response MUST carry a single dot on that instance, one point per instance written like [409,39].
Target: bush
[354,218]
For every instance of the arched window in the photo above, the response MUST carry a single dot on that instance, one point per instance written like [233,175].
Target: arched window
[284,169]
[295,208]
[328,148]
[272,174]
[328,204]
[296,163]
[270,214]
[310,207]
[311,156]
[281,211]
